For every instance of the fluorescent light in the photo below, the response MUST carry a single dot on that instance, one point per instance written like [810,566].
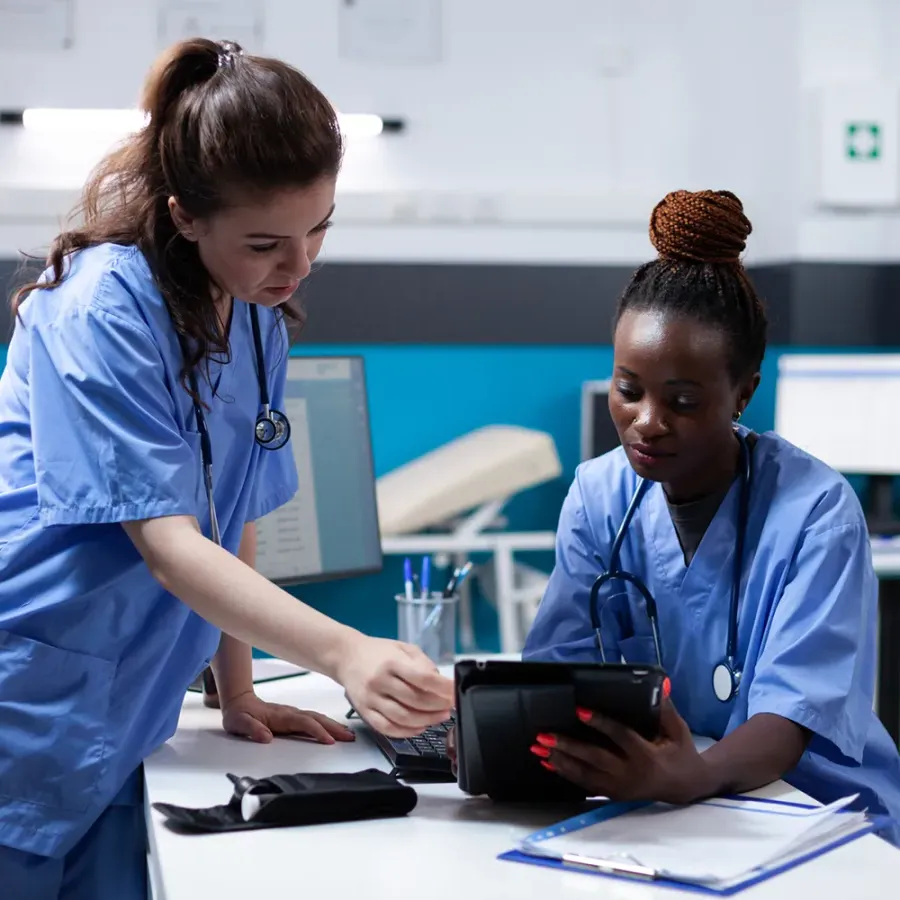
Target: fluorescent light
[108,121]
[361,124]
[124,121]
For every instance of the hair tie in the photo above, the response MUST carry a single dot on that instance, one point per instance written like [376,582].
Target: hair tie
[229,51]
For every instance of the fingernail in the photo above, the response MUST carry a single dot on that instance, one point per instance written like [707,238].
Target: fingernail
[548,766]
[548,740]
[584,714]
[667,687]
[543,752]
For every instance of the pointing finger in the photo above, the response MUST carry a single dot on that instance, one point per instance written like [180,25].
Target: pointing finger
[435,689]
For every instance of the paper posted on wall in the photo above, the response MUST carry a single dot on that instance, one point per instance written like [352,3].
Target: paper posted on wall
[35,26]
[398,32]
[242,21]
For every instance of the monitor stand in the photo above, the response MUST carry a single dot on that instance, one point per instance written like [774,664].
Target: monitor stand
[879,507]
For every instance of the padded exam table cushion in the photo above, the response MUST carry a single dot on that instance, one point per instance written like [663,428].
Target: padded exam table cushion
[490,463]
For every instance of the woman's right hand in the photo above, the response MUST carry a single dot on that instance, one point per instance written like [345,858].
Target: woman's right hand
[395,687]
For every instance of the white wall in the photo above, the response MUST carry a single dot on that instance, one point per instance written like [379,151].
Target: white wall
[844,43]
[519,114]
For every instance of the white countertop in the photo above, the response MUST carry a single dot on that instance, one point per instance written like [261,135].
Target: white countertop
[445,849]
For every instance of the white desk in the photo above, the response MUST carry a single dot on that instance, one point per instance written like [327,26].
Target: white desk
[445,849]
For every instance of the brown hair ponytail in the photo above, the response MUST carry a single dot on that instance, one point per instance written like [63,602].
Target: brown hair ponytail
[220,124]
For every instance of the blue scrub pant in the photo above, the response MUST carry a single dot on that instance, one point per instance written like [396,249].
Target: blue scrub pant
[108,863]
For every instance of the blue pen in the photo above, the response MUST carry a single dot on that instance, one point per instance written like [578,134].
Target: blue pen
[407,578]
[426,575]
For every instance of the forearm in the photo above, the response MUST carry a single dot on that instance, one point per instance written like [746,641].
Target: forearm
[235,598]
[755,754]
[233,663]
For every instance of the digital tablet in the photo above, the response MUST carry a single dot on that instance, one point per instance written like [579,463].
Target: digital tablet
[502,705]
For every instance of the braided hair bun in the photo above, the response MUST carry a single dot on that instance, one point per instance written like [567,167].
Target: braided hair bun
[700,226]
[698,273]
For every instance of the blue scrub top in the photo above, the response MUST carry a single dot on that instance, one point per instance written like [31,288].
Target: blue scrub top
[806,623]
[96,429]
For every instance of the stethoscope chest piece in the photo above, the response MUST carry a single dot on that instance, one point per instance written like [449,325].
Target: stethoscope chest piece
[726,676]
[726,681]
[272,429]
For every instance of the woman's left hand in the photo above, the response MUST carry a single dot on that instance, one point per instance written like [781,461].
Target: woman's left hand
[668,769]
[250,717]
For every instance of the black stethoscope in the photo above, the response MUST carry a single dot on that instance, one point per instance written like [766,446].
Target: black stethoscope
[726,675]
[271,432]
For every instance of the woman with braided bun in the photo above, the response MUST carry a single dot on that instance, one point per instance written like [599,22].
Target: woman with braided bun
[138,447]
[754,554]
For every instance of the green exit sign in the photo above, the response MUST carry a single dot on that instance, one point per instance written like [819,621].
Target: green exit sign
[862,140]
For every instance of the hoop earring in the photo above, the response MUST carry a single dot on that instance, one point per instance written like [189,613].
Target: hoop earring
[737,416]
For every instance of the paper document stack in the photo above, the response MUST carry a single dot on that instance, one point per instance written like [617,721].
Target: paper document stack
[719,844]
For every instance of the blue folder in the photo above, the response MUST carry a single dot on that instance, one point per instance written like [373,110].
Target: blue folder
[637,872]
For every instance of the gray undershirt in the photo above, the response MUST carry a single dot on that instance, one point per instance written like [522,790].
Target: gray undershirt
[692,519]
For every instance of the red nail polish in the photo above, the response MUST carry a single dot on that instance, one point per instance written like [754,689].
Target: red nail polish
[667,687]
[584,714]
[543,752]
[547,740]
[548,766]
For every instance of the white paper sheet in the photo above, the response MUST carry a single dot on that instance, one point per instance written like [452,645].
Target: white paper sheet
[265,667]
[35,26]
[400,32]
[712,842]
[233,20]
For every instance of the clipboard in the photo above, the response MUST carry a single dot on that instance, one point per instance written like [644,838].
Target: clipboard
[632,870]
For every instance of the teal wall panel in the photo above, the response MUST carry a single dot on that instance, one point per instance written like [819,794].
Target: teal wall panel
[422,396]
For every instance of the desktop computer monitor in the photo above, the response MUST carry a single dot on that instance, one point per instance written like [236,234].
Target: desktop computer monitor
[598,434]
[330,527]
[842,408]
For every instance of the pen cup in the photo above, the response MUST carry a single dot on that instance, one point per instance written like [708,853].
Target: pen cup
[429,623]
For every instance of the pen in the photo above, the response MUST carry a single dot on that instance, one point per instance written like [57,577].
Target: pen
[612,866]
[426,575]
[457,578]
[407,578]
[619,866]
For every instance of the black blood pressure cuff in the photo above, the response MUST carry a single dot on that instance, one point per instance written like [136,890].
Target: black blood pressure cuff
[303,799]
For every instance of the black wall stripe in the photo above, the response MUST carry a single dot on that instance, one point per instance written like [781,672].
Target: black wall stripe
[810,304]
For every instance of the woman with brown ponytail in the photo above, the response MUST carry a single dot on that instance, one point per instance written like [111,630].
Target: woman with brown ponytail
[746,561]
[140,365]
